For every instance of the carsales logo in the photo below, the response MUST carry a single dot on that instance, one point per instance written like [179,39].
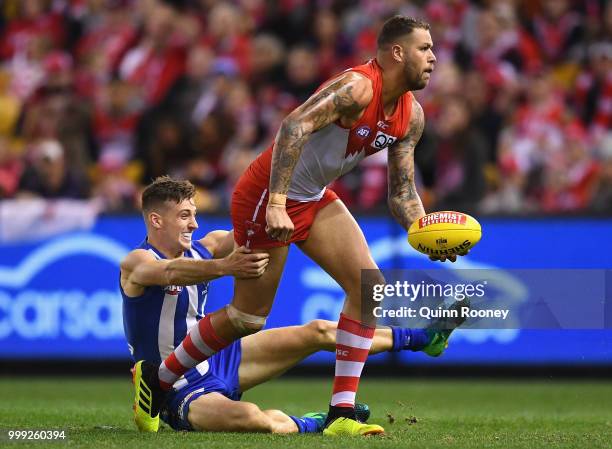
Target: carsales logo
[45,297]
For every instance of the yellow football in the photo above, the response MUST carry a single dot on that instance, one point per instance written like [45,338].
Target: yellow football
[444,233]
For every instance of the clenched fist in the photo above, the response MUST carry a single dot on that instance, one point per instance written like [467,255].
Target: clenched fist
[278,224]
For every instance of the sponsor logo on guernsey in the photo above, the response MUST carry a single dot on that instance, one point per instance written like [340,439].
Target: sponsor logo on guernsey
[382,124]
[363,131]
[442,217]
[382,140]
[173,289]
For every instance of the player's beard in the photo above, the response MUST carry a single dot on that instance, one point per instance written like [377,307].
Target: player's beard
[414,78]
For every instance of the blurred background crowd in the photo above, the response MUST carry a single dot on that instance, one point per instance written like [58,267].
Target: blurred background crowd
[97,97]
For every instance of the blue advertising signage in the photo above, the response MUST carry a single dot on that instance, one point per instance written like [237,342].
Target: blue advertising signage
[59,297]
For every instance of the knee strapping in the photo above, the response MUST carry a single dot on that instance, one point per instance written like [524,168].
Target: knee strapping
[245,323]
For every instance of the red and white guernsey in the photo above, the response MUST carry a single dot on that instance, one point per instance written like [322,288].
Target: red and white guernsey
[335,150]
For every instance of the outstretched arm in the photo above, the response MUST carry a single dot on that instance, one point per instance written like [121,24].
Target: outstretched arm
[140,269]
[344,97]
[404,201]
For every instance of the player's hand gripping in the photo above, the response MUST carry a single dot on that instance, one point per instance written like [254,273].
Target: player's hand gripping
[452,258]
[243,264]
[278,224]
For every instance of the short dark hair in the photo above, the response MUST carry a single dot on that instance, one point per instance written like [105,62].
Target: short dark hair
[163,189]
[398,26]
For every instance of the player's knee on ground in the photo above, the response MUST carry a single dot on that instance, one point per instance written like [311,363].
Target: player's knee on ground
[245,323]
[322,333]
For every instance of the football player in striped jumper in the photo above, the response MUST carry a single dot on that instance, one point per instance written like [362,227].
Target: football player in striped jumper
[283,198]
[164,284]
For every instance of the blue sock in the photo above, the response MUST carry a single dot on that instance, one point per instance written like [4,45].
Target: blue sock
[406,338]
[307,425]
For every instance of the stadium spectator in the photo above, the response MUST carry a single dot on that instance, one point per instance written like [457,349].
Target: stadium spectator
[47,174]
[556,28]
[113,122]
[303,73]
[57,112]
[460,156]
[332,48]
[100,76]
[158,58]
[570,180]
[227,34]
[593,90]
[105,36]
[35,19]
[266,62]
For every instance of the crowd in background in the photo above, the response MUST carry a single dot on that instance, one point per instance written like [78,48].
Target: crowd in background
[98,97]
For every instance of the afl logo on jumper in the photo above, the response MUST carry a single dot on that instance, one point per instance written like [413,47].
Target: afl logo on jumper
[173,290]
[363,131]
[382,140]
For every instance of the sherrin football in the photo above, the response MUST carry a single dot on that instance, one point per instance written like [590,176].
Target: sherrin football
[444,233]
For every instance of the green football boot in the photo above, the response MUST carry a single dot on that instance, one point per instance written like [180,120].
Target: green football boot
[440,330]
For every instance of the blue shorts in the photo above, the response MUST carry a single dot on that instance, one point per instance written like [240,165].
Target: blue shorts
[221,377]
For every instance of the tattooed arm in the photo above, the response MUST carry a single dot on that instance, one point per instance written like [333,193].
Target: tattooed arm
[344,97]
[403,199]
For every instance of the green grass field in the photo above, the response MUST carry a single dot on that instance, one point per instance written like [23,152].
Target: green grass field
[433,414]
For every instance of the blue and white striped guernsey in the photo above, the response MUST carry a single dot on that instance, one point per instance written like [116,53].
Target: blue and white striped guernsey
[157,321]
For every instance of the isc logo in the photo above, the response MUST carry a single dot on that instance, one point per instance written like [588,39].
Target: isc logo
[382,140]
[342,352]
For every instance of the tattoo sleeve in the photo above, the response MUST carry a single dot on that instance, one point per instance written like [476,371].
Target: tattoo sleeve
[404,201]
[342,97]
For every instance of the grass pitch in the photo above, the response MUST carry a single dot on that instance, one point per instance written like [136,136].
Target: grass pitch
[433,414]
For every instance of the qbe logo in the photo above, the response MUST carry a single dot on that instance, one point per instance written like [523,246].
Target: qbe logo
[382,140]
